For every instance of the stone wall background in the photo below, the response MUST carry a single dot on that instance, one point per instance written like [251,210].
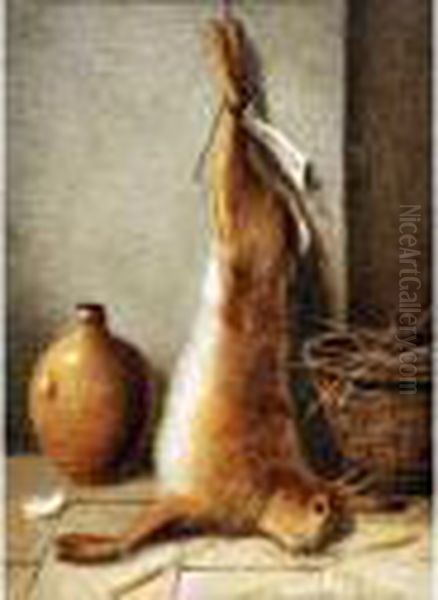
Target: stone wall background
[109,105]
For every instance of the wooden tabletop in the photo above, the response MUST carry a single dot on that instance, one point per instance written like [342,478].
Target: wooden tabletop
[386,558]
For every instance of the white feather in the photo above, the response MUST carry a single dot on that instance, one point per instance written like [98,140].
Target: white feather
[39,506]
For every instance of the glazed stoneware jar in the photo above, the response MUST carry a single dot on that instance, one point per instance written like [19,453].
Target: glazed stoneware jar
[90,400]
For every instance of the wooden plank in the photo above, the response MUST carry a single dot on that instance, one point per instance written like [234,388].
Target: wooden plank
[163,587]
[19,582]
[60,580]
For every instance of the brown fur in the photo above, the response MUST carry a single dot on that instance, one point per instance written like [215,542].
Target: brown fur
[250,474]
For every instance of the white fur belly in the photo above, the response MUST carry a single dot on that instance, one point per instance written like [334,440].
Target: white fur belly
[174,451]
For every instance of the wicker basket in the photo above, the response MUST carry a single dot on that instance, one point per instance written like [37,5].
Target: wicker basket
[374,424]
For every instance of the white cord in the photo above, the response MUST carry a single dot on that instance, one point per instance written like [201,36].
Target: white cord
[225,8]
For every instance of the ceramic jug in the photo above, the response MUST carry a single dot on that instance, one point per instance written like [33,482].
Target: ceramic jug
[90,400]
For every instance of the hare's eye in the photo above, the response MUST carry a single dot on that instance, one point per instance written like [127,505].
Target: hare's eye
[320,505]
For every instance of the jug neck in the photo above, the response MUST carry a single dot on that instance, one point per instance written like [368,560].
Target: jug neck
[91,316]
